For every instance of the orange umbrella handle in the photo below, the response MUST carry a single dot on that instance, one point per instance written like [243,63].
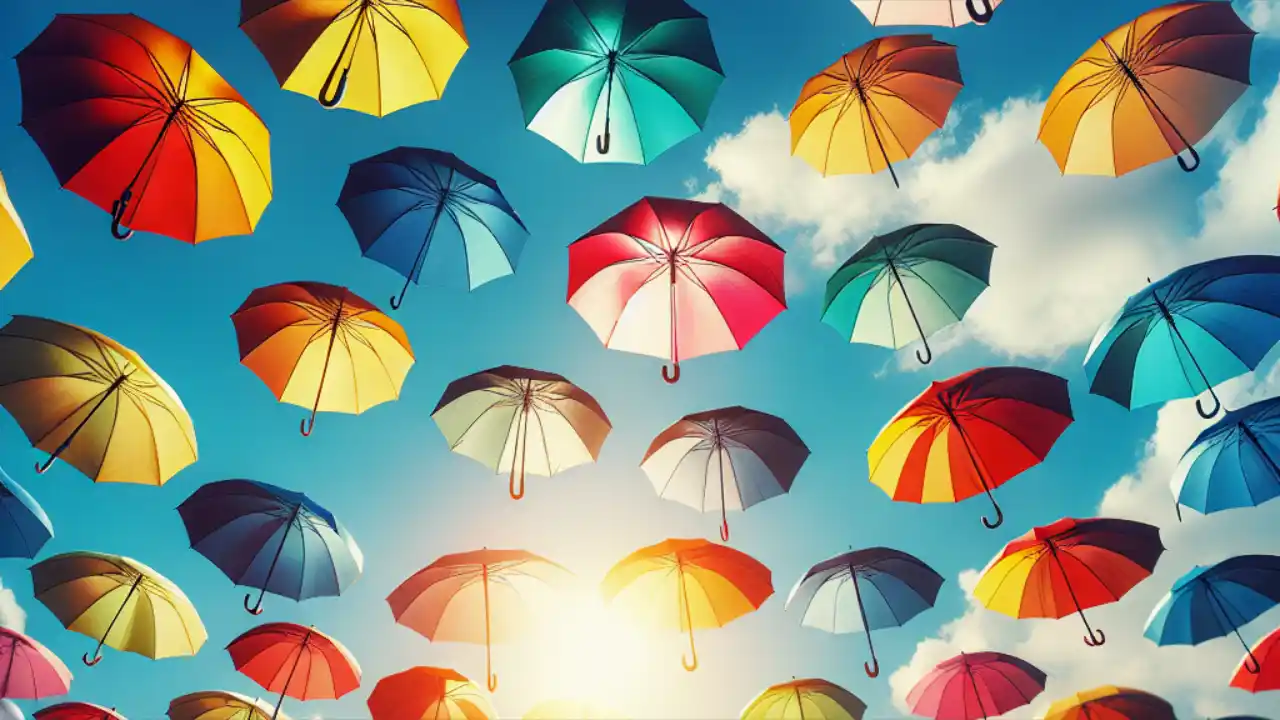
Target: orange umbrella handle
[983,16]
[724,517]
[491,679]
[520,451]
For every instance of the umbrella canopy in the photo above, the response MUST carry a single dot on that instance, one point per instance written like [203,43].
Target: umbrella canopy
[727,584]
[15,246]
[943,13]
[120,602]
[731,458]
[875,105]
[1068,567]
[134,120]
[970,686]
[93,403]
[1110,702]
[428,693]
[295,661]
[637,76]
[1198,327]
[1232,464]
[970,434]
[29,670]
[939,271]
[498,415]
[220,705]
[1266,656]
[564,709]
[266,537]
[395,202]
[1211,602]
[374,56]
[24,526]
[676,279]
[438,601]
[807,699]
[889,586]
[1149,89]
[77,711]
[322,346]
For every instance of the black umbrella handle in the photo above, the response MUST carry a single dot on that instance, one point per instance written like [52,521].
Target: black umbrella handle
[980,16]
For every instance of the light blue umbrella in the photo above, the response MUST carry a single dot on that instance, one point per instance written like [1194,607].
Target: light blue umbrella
[1181,336]
[1212,602]
[24,526]
[1232,464]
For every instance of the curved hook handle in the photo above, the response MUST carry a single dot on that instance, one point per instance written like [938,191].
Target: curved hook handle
[117,216]
[43,467]
[1217,405]
[254,609]
[724,529]
[688,665]
[999,517]
[1095,637]
[492,684]
[602,141]
[307,425]
[329,103]
[1255,667]
[395,301]
[512,484]
[674,376]
[928,354]
[983,16]
[1195,160]
[91,661]
[872,668]
[1177,509]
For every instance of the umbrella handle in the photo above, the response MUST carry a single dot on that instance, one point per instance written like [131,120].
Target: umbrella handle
[1255,667]
[1217,403]
[256,608]
[873,667]
[340,92]
[690,665]
[983,16]
[992,525]
[1195,160]
[1095,637]
[673,376]
[724,530]
[119,206]
[602,141]
[307,425]
[927,357]
[91,661]
[492,683]
[1177,509]
[43,467]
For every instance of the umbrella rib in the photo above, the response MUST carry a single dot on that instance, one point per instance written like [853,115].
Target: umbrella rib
[945,301]
[542,432]
[155,444]
[386,14]
[503,400]
[205,134]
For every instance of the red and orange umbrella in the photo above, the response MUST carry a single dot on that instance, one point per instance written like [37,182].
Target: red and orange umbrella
[970,434]
[135,121]
[1110,702]
[676,279]
[1267,675]
[1069,567]
[428,693]
[295,661]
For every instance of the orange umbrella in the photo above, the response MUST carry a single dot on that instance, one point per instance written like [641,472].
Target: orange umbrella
[875,105]
[322,346]
[727,584]
[428,693]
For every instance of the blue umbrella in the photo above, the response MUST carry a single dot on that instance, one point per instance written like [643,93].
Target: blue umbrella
[24,528]
[1181,336]
[395,202]
[1210,602]
[889,588]
[1232,464]
[266,537]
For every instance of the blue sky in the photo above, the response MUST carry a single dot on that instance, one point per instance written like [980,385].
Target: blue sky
[388,474]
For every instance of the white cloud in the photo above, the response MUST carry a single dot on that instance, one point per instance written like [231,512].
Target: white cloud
[1261,15]
[12,615]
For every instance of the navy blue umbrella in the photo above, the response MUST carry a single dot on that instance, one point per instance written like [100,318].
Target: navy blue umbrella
[266,537]
[24,527]
[421,211]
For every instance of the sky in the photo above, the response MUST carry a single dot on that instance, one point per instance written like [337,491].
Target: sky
[1069,250]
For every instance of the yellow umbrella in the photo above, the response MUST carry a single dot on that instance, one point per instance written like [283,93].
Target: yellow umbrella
[565,709]
[82,397]
[372,56]
[806,699]
[120,602]
[220,705]
[15,246]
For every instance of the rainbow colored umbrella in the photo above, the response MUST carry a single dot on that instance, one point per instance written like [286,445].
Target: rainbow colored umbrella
[15,246]
[1232,464]
[295,661]
[428,693]
[1110,702]
[29,670]
[970,686]
[1265,656]
[806,699]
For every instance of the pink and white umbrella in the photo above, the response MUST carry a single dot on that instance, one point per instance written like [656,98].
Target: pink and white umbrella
[29,670]
[976,686]
[938,13]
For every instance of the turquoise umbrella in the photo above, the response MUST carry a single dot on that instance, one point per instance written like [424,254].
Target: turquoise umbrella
[637,75]
[926,275]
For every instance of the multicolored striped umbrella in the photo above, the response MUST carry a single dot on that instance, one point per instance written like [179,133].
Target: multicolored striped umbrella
[970,686]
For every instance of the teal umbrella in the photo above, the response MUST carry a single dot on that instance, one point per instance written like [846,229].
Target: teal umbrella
[908,284]
[638,76]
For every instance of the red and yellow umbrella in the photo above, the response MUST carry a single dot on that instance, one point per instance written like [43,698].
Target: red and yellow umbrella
[1110,702]
[428,693]
[135,121]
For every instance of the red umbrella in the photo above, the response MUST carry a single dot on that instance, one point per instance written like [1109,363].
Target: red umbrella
[300,662]
[77,711]
[29,670]
[1267,676]
[970,686]
[676,279]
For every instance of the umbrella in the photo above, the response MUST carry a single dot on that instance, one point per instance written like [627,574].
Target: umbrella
[756,454]
[1112,703]
[266,537]
[889,586]
[220,705]
[975,685]
[1232,464]
[438,601]
[24,526]
[564,709]
[1149,89]
[93,403]
[498,415]
[374,57]
[428,693]
[1068,567]
[120,602]
[945,266]
[676,279]
[322,346]
[814,700]
[1210,602]
[727,584]
[638,75]
[875,105]
[394,202]
[300,662]
[77,711]
[1005,419]
[944,13]
[1266,656]
[135,121]
[1198,327]
[31,670]
[15,246]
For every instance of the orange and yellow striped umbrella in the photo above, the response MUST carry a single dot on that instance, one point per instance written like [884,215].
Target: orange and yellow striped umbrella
[15,246]
[1111,702]
[711,584]
[875,105]
[322,346]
